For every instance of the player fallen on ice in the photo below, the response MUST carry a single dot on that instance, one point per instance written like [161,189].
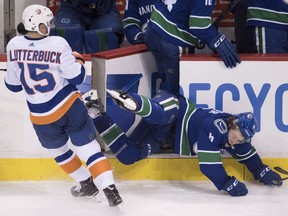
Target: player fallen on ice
[194,131]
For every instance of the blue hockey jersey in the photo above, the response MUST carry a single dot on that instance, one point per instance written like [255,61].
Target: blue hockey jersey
[93,7]
[136,18]
[183,22]
[268,13]
[205,131]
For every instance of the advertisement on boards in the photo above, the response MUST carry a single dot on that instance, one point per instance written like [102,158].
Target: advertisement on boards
[260,87]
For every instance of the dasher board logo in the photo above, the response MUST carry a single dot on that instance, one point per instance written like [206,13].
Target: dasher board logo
[285,1]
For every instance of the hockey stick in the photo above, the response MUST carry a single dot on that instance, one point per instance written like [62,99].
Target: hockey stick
[230,7]
[279,169]
[216,22]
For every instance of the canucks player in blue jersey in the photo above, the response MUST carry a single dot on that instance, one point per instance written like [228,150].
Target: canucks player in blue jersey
[175,28]
[96,24]
[194,131]
[136,18]
[269,22]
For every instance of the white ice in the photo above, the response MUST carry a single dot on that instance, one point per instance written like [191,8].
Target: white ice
[142,198]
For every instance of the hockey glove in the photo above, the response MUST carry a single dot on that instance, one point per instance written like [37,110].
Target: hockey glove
[79,57]
[225,50]
[235,187]
[268,177]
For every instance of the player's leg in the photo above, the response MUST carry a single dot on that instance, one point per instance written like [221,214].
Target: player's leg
[161,109]
[82,133]
[168,58]
[73,166]
[127,150]
[69,24]
[159,114]
[152,39]
[55,140]
[105,32]
[269,40]
[139,145]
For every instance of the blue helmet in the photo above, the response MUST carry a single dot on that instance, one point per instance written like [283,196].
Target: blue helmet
[247,123]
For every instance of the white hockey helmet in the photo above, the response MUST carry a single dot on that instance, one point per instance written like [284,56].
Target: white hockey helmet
[34,15]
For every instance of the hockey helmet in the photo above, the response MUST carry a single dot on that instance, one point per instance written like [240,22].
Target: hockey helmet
[34,15]
[247,124]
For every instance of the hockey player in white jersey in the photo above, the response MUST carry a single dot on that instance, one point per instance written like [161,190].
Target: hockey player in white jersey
[46,68]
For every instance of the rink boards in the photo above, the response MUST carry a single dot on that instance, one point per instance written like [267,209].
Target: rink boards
[158,167]
[258,84]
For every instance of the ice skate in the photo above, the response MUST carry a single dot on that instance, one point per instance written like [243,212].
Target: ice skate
[93,103]
[86,188]
[123,99]
[112,195]
[95,108]
[90,95]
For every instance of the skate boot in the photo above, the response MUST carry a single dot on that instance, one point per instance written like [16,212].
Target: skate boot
[86,188]
[95,108]
[112,195]
[93,103]
[90,95]
[123,99]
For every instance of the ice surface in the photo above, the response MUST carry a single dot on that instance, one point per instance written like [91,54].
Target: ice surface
[142,198]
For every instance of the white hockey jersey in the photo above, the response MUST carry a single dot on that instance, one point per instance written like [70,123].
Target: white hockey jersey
[48,72]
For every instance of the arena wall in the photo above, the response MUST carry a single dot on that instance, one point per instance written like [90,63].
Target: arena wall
[259,84]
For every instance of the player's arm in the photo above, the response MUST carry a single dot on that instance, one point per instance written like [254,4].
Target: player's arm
[246,154]
[201,25]
[132,23]
[211,165]
[12,81]
[72,64]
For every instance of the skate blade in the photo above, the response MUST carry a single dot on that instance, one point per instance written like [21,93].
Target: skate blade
[95,198]
[120,208]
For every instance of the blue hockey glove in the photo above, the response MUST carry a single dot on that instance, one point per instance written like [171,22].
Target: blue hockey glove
[226,50]
[268,177]
[235,187]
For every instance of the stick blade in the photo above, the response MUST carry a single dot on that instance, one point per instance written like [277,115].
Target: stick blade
[279,169]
